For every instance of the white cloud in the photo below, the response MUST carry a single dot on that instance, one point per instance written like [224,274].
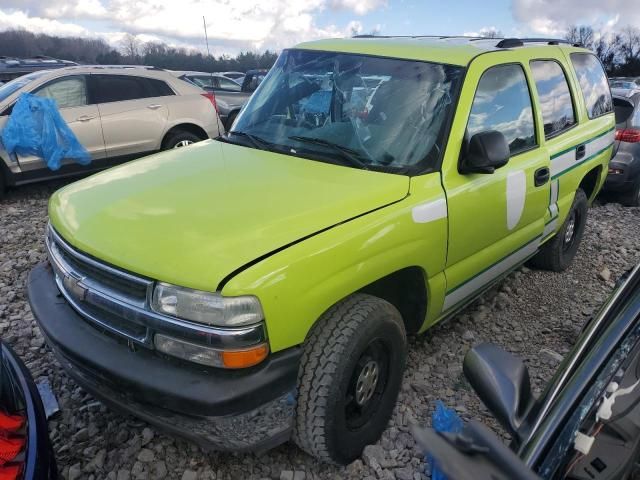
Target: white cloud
[40,25]
[231,25]
[360,7]
[552,17]
[482,32]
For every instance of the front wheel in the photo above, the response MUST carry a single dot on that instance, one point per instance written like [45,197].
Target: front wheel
[556,255]
[350,376]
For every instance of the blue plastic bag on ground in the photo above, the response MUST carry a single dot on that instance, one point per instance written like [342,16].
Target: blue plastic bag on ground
[36,127]
[443,420]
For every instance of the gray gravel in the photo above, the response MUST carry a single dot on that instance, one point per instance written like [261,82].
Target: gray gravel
[534,314]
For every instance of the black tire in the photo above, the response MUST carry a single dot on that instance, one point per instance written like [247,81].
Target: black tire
[3,184]
[360,341]
[556,255]
[230,119]
[179,139]
[632,198]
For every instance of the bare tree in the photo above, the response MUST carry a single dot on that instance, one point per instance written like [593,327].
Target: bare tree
[131,47]
[491,32]
[582,35]
[630,44]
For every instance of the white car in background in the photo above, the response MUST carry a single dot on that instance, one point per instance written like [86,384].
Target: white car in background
[117,114]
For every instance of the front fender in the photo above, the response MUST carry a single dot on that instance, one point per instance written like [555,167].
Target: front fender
[300,283]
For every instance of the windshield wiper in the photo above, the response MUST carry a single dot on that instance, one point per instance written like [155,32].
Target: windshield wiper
[346,153]
[257,142]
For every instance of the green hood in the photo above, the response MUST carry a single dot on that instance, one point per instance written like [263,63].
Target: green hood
[193,216]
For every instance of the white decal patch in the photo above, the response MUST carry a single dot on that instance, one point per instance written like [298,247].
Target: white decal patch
[516,195]
[430,211]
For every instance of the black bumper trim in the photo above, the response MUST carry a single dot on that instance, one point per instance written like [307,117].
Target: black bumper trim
[145,376]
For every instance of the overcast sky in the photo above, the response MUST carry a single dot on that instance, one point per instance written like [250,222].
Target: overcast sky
[236,25]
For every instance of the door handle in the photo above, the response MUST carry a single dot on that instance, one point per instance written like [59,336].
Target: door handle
[85,118]
[541,176]
[581,150]
[155,106]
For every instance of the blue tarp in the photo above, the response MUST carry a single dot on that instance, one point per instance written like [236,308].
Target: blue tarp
[36,127]
[443,420]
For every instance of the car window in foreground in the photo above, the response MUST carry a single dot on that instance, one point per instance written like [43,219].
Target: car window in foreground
[13,86]
[555,96]
[387,114]
[593,83]
[67,92]
[503,103]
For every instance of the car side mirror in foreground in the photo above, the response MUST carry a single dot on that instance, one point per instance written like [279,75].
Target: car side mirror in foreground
[485,152]
[501,380]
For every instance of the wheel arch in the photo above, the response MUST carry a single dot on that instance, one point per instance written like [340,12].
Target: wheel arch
[185,127]
[591,182]
[405,289]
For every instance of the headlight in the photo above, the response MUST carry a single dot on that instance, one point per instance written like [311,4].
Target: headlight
[206,307]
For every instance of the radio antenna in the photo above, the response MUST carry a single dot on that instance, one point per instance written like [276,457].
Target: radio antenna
[206,39]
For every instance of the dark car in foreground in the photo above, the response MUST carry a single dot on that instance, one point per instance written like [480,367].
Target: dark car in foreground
[623,179]
[585,425]
[25,450]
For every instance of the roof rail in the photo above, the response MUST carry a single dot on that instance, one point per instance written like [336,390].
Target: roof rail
[519,42]
[123,67]
[440,37]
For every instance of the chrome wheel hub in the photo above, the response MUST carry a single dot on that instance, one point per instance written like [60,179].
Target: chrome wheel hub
[183,143]
[367,382]
[571,227]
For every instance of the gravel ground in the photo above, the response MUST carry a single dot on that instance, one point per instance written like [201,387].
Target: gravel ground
[534,314]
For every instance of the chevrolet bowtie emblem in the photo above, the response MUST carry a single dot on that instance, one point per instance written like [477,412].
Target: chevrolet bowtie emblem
[74,286]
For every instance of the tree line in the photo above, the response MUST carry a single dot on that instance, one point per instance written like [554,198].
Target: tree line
[619,51]
[23,44]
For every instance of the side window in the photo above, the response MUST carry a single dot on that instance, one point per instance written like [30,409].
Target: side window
[159,88]
[119,88]
[555,96]
[67,92]
[593,83]
[503,103]
[226,84]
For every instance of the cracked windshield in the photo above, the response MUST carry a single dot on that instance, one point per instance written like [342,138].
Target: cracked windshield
[361,111]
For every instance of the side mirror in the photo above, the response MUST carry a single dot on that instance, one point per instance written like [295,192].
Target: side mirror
[485,152]
[501,380]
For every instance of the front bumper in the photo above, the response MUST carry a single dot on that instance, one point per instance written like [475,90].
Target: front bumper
[242,410]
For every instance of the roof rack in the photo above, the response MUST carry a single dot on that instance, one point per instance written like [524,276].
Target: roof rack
[440,37]
[519,42]
[122,67]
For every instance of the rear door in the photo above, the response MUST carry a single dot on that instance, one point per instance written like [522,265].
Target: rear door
[133,114]
[560,126]
[495,220]
[71,96]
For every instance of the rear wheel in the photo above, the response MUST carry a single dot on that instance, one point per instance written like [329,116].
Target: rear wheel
[179,139]
[556,255]
[350,377]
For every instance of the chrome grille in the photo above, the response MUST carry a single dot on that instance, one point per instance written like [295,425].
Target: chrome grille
[118,301]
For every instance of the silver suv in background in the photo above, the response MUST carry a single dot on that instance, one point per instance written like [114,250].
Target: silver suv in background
[230,96]
[117,113]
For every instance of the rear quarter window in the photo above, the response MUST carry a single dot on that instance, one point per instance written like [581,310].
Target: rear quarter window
[593,84]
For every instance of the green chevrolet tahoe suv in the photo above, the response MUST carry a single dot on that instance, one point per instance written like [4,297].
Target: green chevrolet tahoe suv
[260,286]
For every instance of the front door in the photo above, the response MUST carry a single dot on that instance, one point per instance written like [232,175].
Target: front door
[496,220]
[70,94]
